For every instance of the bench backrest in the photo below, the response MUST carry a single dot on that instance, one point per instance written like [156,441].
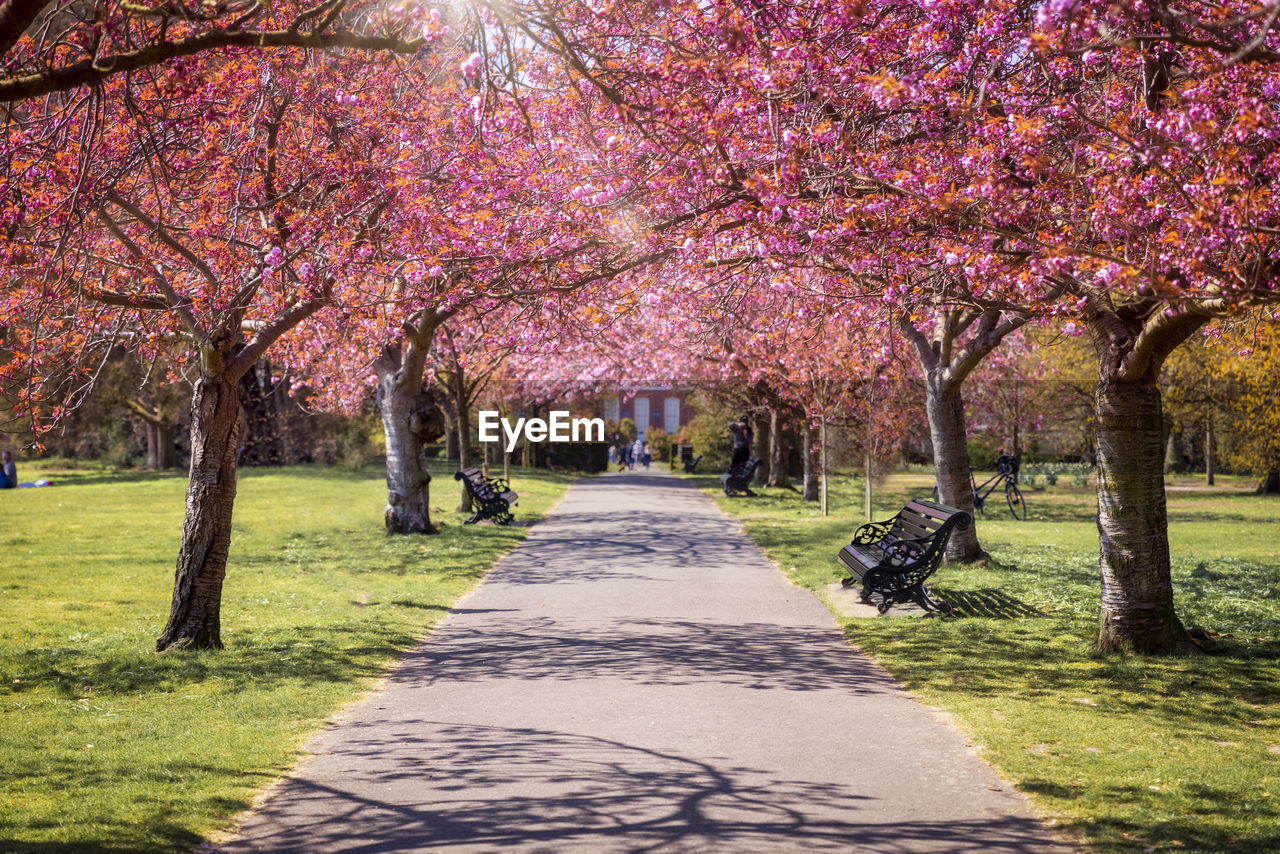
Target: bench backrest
[476,483]
[925,520]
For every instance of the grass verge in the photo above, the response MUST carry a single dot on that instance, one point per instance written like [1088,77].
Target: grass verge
[1131,754]
[107,747]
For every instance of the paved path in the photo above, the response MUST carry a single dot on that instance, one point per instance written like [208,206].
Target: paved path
[636,676]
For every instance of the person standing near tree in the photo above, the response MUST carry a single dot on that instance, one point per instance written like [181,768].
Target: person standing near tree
[8,472]
[741,430]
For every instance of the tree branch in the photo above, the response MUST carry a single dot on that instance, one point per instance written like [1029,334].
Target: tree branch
[92,71]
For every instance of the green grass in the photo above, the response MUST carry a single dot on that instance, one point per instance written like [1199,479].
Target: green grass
[1131,754]
[107,747]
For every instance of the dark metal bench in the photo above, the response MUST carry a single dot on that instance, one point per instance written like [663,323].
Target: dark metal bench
[691,464]
[493,497]
[737,480]
[894,558]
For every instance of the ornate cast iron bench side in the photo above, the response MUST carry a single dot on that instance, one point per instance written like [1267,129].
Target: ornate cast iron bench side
[895,558]
[493,497]
[691,464]
[737,480]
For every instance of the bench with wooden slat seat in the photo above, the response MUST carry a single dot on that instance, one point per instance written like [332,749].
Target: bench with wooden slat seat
[737,480]
[493,497]
[894,558]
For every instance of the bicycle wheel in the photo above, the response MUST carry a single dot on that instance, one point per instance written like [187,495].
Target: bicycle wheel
[1017,506]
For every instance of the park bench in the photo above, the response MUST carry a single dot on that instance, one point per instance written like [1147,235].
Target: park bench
[895,558]
[691,464]
[493,497]
[737,480]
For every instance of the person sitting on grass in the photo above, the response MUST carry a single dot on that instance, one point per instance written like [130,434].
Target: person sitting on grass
[8,472]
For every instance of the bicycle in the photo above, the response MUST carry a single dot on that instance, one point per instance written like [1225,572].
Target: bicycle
[1007,473]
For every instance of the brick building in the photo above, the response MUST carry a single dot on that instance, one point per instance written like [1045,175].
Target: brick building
[649,406]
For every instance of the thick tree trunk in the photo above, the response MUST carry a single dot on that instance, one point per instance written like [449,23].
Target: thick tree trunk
[216,429]
[945,408]
[409,422]
[1270,483]
[1137,589]
[812,481]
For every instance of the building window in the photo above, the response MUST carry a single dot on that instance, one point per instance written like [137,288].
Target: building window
[612,409]
[671,415]
[642,415]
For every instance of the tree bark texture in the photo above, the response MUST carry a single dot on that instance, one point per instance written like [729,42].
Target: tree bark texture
[216,428]
[1137,589]
[945,408]
[409,421]
[810,458]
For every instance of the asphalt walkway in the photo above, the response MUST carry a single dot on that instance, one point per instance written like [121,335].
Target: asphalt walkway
[636,676]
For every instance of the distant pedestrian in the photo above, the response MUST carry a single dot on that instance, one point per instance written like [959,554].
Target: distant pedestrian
[637,452]
[648,455]
[741,430]
[8,472]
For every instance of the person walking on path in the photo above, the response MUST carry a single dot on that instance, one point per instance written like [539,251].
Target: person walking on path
[637,676]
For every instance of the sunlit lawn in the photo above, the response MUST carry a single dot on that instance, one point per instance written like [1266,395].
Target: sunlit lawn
[1133,754]
[105,746]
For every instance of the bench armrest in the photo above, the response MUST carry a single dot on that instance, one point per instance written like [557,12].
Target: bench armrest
[872,532]
[905,552]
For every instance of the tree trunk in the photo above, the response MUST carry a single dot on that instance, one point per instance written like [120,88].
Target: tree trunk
[1209,462]
[409,421]
[526,447]
[1270,484]
[216,429]
[1171,457]
[945,408]
[463,422]
[763,442]
[161,455]
[263,442]
[779,453]
[810,457]
[450,433]
[1137,589]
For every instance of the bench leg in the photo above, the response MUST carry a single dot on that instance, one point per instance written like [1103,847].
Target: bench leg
[925,600]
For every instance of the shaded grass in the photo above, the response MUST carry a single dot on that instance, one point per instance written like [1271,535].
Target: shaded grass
[1130,753]
[105,746]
